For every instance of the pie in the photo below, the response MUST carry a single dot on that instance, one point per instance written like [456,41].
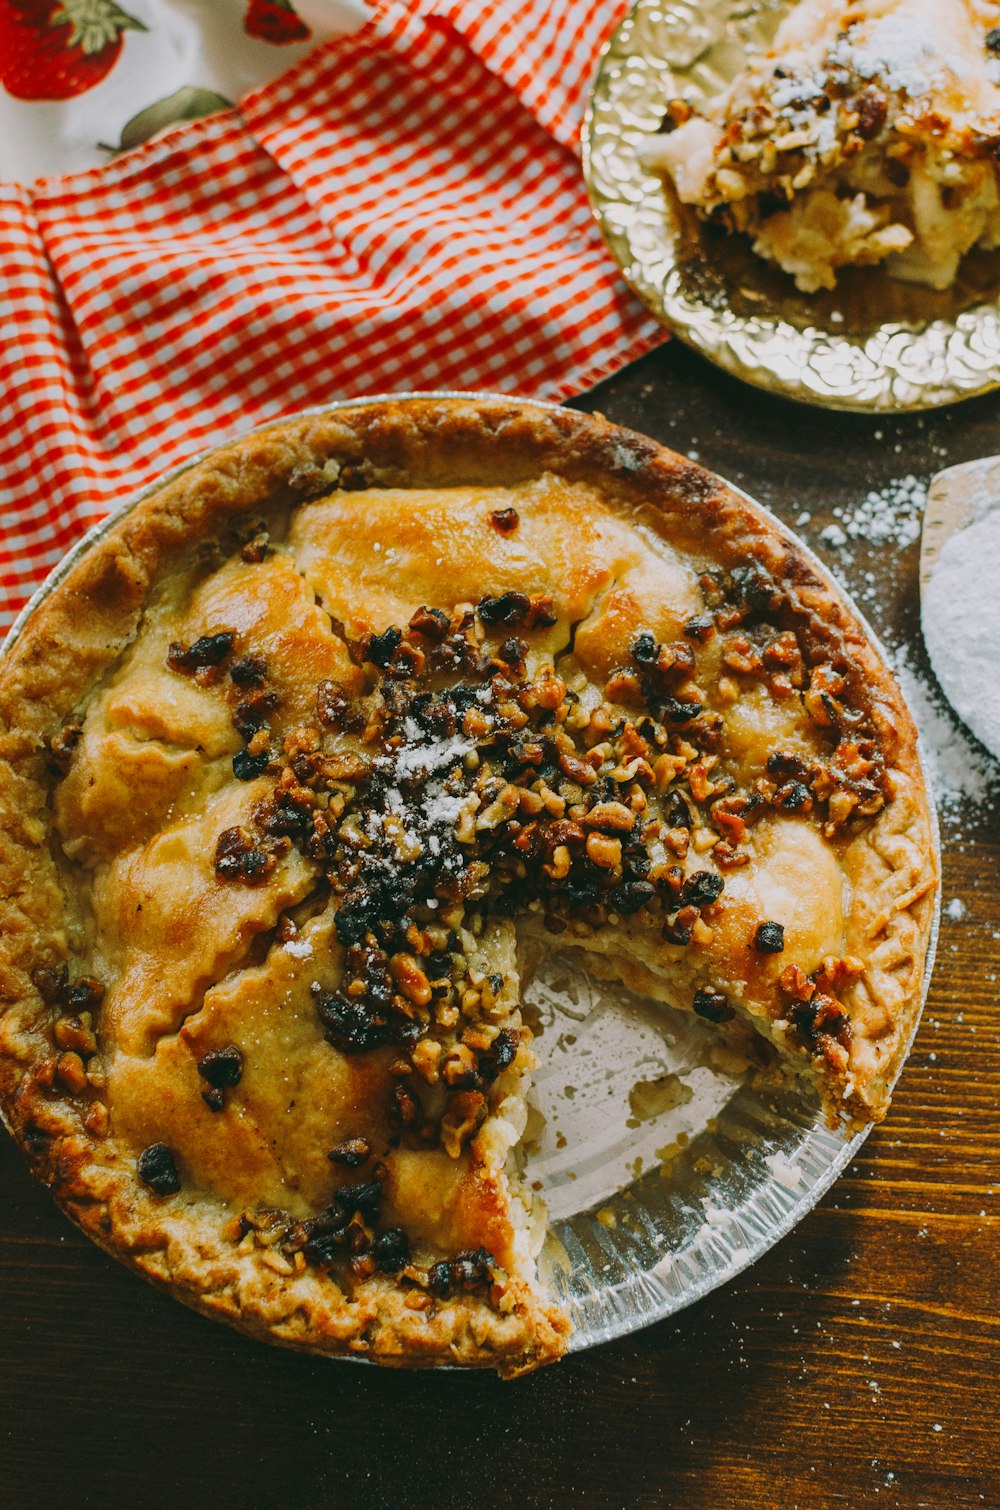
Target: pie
[865,134]
[326,737]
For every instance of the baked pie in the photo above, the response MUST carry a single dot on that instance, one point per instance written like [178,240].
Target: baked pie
[868,133]
[328,735]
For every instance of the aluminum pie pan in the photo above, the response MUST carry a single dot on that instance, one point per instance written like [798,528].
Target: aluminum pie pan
[626,1245]
[874,344]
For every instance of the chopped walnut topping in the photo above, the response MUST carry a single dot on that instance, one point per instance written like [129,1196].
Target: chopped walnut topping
[461,785]
[351,1152]
[239,857]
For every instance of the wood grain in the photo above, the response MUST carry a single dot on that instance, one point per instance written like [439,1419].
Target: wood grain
[856,1365]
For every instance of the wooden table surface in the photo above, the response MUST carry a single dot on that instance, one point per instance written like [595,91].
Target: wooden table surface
[857,1364]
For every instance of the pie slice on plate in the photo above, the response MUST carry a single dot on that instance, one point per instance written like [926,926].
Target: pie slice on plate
[867,133]
[302,752]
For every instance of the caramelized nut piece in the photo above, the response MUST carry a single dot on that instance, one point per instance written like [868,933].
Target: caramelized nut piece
[604,851]
[410,979]
[72,1073]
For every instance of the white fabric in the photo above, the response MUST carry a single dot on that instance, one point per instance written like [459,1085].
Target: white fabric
[188,43]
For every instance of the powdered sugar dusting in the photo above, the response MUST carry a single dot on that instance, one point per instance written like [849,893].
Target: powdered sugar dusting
[958,770]
[961,619]
[890,515]
[893,52]
[434,755]
[299,948]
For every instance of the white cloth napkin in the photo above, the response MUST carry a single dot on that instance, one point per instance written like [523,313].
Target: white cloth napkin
[188,52]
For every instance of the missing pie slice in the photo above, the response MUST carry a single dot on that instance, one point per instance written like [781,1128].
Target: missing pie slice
[301,750]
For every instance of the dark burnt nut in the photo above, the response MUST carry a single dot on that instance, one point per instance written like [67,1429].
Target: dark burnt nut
[250,714]
[391,1250]
[779,764]
[504,1047]
[712,1005]
[84,995]
[472,1268]
[382,647]
[769,938]
[679,929]
[156,1168]
[821,1016]
[676,812]
[209,650]
[365,1197]
[644,649]
[794,798]
[51,983]
[754,589]
[509,609]
[631,896]
[513,651]
[466,1271]
[993,40]
[703,887]
[439,1279]
[248,671]
[351,1152]
[247,767]
[352,1025]
[542,612]
[222,1068]
[498,1057]
[322,1249]
[677,712]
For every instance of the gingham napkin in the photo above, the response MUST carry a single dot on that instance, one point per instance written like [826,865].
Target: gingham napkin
[401,209]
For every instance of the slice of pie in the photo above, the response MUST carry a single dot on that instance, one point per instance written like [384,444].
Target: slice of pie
[867,133]
[298,757]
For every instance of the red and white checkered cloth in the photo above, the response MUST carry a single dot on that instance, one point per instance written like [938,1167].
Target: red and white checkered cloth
[403,209]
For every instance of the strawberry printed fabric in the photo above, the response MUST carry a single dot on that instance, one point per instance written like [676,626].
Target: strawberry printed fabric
[83,79]
[401,208]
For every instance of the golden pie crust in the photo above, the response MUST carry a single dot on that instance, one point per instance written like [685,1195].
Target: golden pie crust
[297,756]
